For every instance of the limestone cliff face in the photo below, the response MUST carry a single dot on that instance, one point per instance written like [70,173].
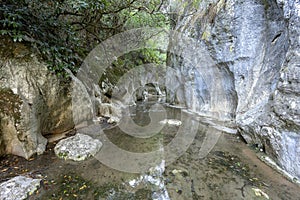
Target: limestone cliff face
[33,103]
[253,75]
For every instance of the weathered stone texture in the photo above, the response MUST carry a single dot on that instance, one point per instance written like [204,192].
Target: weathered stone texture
[255,45]
[33,101]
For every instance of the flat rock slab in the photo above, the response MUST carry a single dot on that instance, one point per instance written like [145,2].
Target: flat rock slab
[77,148]
[171,122]
[18,187]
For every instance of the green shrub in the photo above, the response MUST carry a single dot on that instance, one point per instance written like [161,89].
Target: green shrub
[65,31]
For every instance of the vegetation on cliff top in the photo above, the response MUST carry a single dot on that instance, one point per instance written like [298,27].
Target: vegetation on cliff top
[65,31]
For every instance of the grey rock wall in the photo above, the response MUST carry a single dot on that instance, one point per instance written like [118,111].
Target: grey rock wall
[33,102]
[255,47]
[275,125]
[200,82]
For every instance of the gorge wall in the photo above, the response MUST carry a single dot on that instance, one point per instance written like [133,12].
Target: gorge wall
[33,102]
[252,74]
[241,65]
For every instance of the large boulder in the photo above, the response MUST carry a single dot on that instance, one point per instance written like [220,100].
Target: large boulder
[19,187]
[33,101]
[77,148]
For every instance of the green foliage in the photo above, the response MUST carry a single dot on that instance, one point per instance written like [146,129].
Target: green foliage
[146,13]
[11,22]
[65,31]
[152,56]
[128,61]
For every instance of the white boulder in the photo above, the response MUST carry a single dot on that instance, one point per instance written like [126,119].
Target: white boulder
[77,148]
[18,187]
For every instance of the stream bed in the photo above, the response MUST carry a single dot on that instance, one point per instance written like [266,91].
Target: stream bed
[215,165]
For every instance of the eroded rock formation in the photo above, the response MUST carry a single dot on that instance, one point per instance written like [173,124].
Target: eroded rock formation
[33,101]
[253,75]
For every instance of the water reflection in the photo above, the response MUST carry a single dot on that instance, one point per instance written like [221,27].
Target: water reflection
[170,133]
